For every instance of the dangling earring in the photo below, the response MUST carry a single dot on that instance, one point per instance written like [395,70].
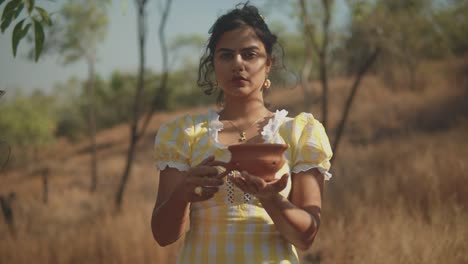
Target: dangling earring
[267,84]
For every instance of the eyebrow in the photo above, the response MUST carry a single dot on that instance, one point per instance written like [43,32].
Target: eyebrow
[243,49]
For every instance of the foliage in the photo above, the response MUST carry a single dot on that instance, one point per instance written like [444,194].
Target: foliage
[84,24]
[36,17]
[70,109]
[407,32]
[27,121]
[451,24]
[184,90]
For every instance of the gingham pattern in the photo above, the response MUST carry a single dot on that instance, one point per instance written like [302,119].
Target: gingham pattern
[233,227]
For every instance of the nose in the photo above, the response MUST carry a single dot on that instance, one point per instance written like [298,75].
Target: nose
[238,63]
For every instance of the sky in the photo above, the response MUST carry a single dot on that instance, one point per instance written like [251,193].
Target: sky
[119,49]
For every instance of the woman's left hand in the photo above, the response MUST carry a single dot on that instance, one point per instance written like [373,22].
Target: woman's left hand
[257,186]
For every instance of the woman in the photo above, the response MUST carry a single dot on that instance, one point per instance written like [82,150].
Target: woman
[239,218]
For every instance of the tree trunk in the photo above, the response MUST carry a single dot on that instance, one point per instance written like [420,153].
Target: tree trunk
[309,45]
[90,58]
[165,75]
[45,186]
[135,135]
[141,6]
[324,81]
[305,81]
[362,71]
[323,60]
[321,50]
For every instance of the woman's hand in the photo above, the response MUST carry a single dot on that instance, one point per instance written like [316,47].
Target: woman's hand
[258,186]
[202,182]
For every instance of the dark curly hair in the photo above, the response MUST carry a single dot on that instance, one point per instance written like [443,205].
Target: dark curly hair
[242,15]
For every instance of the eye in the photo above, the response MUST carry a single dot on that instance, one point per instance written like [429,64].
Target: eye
[225,55]
[249,55]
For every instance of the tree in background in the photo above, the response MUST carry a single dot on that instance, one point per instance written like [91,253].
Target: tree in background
[28,124]
[450,22]
[70,110]
[315,19]
[79,28]
[316,45]
[135,133]
[407,37]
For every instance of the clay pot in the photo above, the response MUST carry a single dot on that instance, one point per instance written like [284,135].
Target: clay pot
[262,160]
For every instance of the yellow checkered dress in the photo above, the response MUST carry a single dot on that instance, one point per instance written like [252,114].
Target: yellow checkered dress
[233,227]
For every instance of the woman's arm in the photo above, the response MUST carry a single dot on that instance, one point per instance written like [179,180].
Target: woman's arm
[175,193]
[170,213]
[297,219]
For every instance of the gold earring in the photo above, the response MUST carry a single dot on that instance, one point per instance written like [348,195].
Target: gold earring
[267,84]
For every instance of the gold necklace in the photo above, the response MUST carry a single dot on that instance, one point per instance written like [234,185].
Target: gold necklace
[242,133]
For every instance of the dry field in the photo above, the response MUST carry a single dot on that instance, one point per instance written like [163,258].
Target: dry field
[399,192]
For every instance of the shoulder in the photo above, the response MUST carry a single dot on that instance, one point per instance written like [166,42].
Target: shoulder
[301,122]
[304,129]
[187,120]
[304,118]
[186,124]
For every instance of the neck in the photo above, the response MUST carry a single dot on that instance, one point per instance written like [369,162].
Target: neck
[243,109]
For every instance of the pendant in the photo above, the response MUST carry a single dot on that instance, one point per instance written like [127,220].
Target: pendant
[242,137]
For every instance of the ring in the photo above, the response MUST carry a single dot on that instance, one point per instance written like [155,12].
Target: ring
[198,190]
[234,174]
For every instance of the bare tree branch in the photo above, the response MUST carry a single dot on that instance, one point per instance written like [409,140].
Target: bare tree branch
[362,71]
[165,75]
[136,135]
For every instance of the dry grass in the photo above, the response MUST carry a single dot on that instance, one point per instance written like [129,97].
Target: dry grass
[399,192]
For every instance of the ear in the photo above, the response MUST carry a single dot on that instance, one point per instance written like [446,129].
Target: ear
[269,63]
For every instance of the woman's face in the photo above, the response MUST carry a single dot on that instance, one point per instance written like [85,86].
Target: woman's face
[241,63]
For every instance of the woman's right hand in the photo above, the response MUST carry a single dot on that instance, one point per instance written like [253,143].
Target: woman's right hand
[202,182]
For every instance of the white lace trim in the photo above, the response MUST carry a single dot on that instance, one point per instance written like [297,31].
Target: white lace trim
[306,167]
[270,132]
[161,165]
[214,126]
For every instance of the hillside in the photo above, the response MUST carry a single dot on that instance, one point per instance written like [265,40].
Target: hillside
[399,193]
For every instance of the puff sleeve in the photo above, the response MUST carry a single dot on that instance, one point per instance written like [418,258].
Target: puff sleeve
[310,147]
[172,146]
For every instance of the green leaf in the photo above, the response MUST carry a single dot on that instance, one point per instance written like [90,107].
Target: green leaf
[1,2]
[38,38]
[17,36]
[10,8]
[10,13]
[18,10]
[5,23]
[44,15]
[30,5]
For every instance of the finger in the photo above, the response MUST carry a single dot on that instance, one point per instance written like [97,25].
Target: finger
[204,181]
[222,174]
[281,183]
[207,160]
[256,182]
[284,179]
[240,183]
[218,163]
[201,171]
[208,181]
[207,193]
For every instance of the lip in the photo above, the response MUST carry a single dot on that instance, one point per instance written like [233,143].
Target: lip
[239,80]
